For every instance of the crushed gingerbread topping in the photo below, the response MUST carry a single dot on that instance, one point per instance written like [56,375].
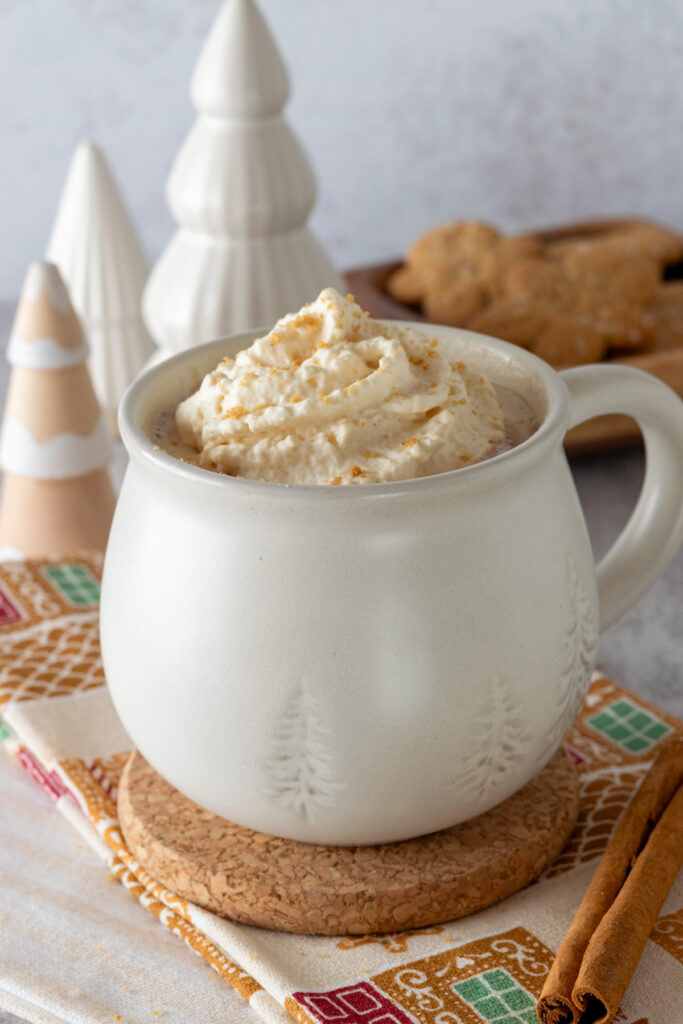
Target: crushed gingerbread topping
[419,402]
[302,319]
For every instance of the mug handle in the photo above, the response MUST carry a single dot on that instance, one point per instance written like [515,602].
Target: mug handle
[654,531]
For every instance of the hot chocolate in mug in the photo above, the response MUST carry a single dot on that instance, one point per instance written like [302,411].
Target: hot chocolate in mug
[364,664]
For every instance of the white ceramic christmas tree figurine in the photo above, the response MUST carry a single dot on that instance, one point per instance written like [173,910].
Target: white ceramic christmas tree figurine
[95,246]
[54,448]
[241,189]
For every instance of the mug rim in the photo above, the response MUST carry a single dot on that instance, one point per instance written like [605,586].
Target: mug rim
[551,430]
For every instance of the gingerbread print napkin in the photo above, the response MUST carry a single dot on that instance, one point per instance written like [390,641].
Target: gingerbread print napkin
[58,721]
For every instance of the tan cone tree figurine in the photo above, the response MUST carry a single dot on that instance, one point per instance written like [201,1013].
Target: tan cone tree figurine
[57,495]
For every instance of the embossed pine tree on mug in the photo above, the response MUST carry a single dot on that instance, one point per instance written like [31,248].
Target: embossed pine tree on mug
[300,768]
[498,733]
[579,640]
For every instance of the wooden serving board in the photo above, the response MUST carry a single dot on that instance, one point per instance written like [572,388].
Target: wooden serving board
[368,285]
[334,890]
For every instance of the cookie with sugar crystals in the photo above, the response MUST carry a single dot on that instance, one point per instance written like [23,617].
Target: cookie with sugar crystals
[668,314]
[511,318]
[449,257]
[569,342]
[630,241]
[550,328]
[453,304]
[455,269]
[635,279]
[573,300]
[570,315]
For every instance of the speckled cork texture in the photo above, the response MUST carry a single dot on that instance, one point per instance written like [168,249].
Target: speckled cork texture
[332,890]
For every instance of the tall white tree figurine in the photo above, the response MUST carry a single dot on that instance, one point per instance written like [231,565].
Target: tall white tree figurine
[99,255]
[241,189]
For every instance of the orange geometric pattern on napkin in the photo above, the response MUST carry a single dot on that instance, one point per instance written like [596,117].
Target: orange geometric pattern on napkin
[603,800]
[114,839]
[630,734]
[668,933]
[392,942]
[185,930]
[86,783]
[98,804]
[32,597]
[56,659]
[94,784]
[95,793]
[462,982]
[107,771]
[610,773]
[49,647]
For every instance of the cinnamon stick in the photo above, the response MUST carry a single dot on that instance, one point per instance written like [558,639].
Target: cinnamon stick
[619,940]
[576,980]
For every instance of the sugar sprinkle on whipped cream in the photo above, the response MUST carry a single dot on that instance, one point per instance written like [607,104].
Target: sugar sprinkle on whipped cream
[331,396]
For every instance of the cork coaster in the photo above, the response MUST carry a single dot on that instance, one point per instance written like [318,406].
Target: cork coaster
[333,890]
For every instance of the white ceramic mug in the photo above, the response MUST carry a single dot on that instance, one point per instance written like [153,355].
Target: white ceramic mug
[365,664]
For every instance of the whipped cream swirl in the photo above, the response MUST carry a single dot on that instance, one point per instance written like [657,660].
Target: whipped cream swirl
[330,396]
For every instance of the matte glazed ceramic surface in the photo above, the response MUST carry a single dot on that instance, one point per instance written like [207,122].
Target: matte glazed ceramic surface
[96,248]
[241,189]
[365,664]
[54,445]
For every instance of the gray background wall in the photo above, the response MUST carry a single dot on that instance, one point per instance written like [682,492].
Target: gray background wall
[413,111]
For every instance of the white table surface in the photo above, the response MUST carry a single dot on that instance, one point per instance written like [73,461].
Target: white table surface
[644,651]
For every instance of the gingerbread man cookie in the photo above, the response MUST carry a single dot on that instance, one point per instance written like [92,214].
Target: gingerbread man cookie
[454,270]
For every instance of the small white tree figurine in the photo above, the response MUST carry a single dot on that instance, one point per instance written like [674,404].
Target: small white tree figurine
[241,189]
[54,448]
[98,253]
